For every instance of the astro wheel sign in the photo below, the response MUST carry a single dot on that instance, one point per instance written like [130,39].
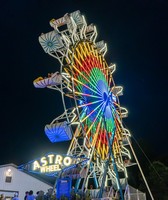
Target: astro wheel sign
[52,163]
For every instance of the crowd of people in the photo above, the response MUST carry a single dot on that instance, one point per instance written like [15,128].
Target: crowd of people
[30,195]
[40,195]
[51,195]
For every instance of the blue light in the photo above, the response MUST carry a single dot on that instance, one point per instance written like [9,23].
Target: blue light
[103,95]
[58,132]
[64,186]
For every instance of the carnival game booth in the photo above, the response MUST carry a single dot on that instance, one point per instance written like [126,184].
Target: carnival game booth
[14,181]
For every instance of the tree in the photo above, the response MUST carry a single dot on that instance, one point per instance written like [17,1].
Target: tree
[157,178]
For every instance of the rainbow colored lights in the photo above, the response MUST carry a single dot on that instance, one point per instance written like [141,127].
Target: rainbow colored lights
[97,104]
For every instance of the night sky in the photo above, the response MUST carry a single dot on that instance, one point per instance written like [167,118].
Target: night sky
[136,35]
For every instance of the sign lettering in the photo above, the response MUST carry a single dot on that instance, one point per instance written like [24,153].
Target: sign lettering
[51,163]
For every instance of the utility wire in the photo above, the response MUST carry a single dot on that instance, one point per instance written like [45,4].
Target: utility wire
[147,157]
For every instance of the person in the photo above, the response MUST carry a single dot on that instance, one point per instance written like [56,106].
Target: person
[2,197]
[15,197]
[26,194]
[91,191]
[31,196]
[40,195]
[73,195]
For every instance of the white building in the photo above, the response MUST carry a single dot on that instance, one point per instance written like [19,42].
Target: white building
[14,181]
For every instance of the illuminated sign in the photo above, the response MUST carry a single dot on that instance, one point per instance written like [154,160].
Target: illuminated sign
[51,163]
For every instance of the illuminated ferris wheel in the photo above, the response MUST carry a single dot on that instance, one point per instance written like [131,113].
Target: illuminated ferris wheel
[93,120]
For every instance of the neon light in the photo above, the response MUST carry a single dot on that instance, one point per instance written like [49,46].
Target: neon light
[87,104]
[92,112]
[88,95]
[85,85]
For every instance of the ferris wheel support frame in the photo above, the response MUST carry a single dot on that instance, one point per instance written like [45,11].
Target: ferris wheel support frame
[110,154]
[140,169]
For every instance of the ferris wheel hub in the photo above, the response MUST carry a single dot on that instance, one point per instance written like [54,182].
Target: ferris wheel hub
[105,96]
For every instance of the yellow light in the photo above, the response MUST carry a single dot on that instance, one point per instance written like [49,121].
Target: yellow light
[67,161]
[36,165]
[44,161]
[9,172]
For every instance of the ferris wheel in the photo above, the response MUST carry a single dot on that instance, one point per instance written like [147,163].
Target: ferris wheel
[93,119]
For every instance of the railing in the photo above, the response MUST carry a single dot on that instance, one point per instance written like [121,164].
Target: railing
[135,196]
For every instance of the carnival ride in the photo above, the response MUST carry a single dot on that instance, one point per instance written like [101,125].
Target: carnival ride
[93,121]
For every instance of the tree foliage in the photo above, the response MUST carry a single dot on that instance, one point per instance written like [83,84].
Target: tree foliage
[157,178]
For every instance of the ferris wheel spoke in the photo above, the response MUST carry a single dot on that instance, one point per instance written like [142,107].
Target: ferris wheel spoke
[82,54]
[88,104]
[99,58]
[88,95]
[100,110]
[94,55]
[84,65]
[93,85]
[87,47]
[86,62]
[81,65]
[97,128]
[97,132]
[95,74]
[86,55]
[116,104]
[84,49]
[86,86]
[103,63]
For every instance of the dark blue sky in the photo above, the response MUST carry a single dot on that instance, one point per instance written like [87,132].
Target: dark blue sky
[136,35]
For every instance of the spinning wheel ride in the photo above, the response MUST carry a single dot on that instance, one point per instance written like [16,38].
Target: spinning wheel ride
[94,122]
